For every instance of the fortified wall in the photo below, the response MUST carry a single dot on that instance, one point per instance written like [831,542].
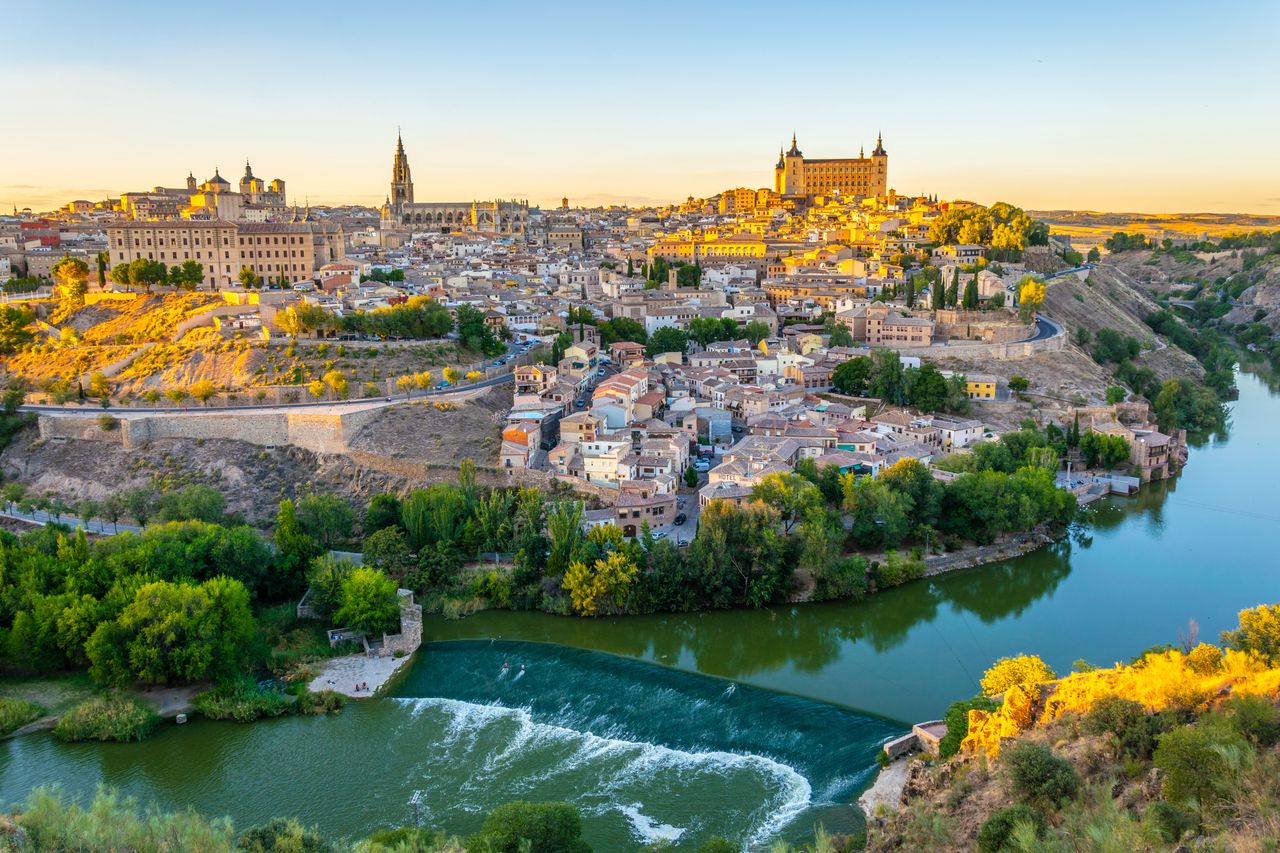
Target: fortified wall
[319,432]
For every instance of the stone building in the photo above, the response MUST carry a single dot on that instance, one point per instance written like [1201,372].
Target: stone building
[501,216]
[802,179]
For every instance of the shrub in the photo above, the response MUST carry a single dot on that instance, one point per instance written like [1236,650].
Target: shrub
[1124,719]
[1037,774]
[957,720]
[241,701]
[996,834]
[1205,659]
[16,713]
[1010,672]
[1170,821]
[718,845]
[111,718]
[324,702]
[1196,764]
[1256,718]
[52,820]
[283,834]
[534,827]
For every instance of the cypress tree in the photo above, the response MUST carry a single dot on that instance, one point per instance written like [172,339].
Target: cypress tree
[911,292]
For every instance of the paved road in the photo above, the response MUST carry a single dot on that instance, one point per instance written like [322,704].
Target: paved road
[1045,328]
[334,405]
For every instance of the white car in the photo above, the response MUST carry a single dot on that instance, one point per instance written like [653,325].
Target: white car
[661,534]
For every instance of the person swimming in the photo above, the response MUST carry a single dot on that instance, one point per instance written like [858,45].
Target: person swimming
[520,674]
[505,667]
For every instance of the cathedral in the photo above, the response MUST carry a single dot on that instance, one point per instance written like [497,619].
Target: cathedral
[800,178]
[509,218]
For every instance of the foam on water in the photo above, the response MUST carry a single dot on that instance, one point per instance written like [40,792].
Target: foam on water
[647,829]
[620,762]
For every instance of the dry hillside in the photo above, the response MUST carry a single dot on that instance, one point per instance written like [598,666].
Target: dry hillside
[439,435]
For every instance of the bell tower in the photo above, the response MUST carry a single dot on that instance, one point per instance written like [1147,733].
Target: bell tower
[401,182]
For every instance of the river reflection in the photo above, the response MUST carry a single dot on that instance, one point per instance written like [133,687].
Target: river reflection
[1129,576]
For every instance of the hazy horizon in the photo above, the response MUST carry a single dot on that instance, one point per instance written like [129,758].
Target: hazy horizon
[1139,108]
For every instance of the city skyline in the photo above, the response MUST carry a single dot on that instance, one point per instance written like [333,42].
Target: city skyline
[1101,110]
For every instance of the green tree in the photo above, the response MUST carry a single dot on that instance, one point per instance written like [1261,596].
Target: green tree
[386,549]
[1198,765]
[249,279]
[756,331]
[886,381]
[280,835]
[970,302]
[368,602]
[523,827]
[1018,384]
[791,495]
[15,329]
[290,322]
[326,518]
[71,276]
[666,339]
[850,377]
[383,511]
[295,547]
[691,477]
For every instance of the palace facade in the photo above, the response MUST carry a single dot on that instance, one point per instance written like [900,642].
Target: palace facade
[400,211]
[799,178]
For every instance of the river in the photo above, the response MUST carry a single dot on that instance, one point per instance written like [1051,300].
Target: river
[741,723]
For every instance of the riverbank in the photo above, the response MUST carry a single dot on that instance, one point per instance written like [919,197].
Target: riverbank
[886,791]
[358,676]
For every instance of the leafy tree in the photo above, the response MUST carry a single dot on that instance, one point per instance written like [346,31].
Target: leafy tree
[450,375]
[523,827]
[15,330]
[139,502]
[71,276]
[294,545]
[203,390]
[880,516]
[605,582]
[1094,255]
[622,329]
[756,331]
[970,302]
[1258,632]
[336,382]
[850,377]
[666,339]
[194,502]
[383,511]
[368,602]
[1019,383]
[790,494]
[1031,293]
[1023,670]
[326,518]
[474,333]
[886,381]
[290,322]
[176,395]
[175,633]
[146,273]
[691,477]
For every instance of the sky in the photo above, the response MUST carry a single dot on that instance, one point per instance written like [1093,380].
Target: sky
[1165,106]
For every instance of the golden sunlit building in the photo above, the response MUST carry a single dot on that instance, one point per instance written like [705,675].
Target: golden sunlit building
[796,177]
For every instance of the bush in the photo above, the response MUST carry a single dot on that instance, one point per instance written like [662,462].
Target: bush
[110,718]
[1170,821]
[1196,764]
[324,702]
[1124,719]
[1011,672]
[522,827]
[1037,774]
[996,834]
[280,835]
[718,845]
[241,701]
[957,720]
[53,820]
[16,713]
[1256,718]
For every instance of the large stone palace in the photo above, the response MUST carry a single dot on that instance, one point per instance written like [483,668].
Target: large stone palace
[401,212]
[802,179]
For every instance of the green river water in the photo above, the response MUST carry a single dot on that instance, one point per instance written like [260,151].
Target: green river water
[748,724]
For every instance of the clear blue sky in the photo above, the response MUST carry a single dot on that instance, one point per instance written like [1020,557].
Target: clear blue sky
[1168,106]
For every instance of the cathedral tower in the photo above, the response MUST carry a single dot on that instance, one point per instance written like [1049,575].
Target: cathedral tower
[401,183]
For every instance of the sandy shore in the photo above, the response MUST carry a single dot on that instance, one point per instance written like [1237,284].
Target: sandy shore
[887,789]
[341,675]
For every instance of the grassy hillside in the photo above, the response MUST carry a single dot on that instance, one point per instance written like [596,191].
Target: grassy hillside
[1178,747]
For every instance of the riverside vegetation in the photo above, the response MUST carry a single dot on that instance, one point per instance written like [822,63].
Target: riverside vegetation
[50,821]
[1177,747]
[180,603]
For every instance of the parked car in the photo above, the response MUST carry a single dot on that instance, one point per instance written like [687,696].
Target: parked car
[683,542]
[681,518]
[661,534]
